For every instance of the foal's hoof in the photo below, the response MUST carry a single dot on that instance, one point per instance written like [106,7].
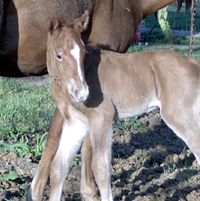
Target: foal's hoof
[29,194]
[96,198]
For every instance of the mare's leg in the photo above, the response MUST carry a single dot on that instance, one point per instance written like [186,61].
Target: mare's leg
[73,133]
[36,189]
[185,122]
[88,186]
[100,121]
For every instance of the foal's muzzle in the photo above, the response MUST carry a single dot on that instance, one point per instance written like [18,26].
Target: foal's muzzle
[80,94]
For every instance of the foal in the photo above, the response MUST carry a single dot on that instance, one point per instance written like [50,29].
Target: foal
[93,87]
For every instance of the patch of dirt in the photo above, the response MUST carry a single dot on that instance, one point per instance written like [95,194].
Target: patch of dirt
[148,165]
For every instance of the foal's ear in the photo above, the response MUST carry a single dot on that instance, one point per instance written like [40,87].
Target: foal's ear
[54,25]
[80,24]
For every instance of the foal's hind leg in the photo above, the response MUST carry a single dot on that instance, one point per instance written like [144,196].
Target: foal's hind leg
[35,192]
[186,124]
[74,131]
[88,186]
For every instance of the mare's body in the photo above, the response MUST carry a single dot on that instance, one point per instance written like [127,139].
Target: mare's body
[120,86]
[24,26]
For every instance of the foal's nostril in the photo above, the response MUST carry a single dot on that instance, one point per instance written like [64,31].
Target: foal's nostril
[76,93]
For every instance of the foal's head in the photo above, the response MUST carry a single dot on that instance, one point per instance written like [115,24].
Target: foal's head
[65,56]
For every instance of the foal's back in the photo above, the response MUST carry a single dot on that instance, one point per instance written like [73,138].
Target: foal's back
[137,82]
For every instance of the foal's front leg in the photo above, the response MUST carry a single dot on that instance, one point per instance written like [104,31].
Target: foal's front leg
[100,123]
[73,133]
[35,192]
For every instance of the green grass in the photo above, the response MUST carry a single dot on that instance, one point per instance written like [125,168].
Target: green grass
[129,124]
[25,116]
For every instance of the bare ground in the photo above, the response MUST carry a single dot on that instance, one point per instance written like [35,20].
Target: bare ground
[148,164]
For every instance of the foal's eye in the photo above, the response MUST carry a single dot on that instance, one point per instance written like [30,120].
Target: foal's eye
[59,57]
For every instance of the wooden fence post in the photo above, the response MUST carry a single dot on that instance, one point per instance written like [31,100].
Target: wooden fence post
[192,28]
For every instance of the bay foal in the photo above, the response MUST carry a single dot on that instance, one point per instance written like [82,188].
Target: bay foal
[93,87]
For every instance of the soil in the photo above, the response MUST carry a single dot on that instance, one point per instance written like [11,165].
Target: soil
[149,162]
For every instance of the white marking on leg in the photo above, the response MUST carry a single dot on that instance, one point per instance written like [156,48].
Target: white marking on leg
[76,54]
[72,136]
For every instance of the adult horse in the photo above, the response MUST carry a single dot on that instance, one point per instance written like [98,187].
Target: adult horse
[23,35]
[23,30]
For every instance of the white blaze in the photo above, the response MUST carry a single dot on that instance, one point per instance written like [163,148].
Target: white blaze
[75,52]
